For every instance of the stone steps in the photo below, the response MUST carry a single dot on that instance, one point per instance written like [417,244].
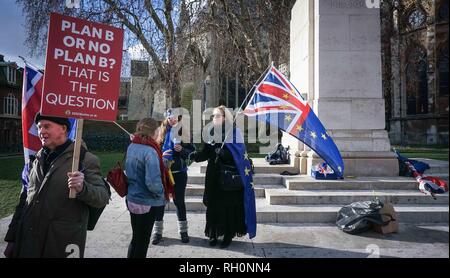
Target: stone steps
[267,213]
[198,189]
[434,170]
[360,183]
[343,197]
[328,213]
[259,179]
[302,199]
[436,166]
[443,176]
[267,169]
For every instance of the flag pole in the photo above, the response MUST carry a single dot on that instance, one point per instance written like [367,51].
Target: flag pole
[122,128]
[26,62]
[240,108]
[76,154]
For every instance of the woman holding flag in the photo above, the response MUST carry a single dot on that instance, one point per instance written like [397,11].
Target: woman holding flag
[229,195]
[176,148]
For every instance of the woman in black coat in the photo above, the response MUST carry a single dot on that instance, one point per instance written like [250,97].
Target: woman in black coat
[225,209]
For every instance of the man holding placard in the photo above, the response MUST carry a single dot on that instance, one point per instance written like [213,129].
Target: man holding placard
[82,81]
[46,222]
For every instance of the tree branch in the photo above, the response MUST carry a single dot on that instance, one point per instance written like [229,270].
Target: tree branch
[137,30]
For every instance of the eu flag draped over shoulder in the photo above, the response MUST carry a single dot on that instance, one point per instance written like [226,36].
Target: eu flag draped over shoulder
[277,101]
[168,145]
[237,148]
[31,105]
[168,149]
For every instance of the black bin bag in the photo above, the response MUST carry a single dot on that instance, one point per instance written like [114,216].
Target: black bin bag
[359,217]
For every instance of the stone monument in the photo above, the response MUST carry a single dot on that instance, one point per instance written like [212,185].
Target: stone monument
[336,63]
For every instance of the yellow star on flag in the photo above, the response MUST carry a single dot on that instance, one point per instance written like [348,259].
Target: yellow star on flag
[313,135]
[288,118]
[324,137]
[252,184]
[299,128]
[246,156]
[247,171]
[286,96]
[284,107]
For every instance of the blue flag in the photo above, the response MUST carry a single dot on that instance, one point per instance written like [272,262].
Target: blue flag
[168,145]
[243,165]
[277,101]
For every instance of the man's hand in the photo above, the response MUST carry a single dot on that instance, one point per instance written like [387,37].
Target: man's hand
[178,148]
[76,180]
[9,250]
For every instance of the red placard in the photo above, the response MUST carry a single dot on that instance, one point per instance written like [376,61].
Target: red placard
[82,69]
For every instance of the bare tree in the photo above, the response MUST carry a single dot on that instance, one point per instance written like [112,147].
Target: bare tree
[253,33]
[249,34]
[161,27]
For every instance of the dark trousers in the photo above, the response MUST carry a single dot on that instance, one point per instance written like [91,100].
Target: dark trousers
[142,225]
[180,191]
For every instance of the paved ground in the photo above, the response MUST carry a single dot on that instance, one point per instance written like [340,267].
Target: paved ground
[113,233]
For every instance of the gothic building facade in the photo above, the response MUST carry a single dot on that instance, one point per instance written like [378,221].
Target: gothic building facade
[10,109]
[415,70]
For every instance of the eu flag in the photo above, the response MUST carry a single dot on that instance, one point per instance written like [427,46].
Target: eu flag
[244,167]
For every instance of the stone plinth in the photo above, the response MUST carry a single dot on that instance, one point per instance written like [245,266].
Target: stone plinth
[336,63]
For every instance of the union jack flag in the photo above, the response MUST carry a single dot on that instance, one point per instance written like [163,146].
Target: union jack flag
[31,105]
[278,102]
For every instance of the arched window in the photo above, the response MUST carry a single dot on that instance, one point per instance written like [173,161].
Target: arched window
[416,18]
[11,105]
[442,14]
[442,65]
[417,82]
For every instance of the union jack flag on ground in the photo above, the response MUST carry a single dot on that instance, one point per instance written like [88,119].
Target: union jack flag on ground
[278,102]
[31,105]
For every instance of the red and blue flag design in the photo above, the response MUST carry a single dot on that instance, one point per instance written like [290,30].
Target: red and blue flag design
[31,105]
[278,102]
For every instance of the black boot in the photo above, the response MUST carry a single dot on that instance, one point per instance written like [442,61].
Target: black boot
[213,241]
[156,239]
[226,242]
[184,237]
[183,230]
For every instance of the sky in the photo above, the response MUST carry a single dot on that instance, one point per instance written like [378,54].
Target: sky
[13,35]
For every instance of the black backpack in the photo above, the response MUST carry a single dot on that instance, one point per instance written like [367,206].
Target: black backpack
[359,217]
[94,213]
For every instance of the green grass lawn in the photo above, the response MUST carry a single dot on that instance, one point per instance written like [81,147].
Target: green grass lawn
[431,155]
[10,184]
[424,152]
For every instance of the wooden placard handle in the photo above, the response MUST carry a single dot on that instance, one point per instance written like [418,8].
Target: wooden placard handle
[76,153]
